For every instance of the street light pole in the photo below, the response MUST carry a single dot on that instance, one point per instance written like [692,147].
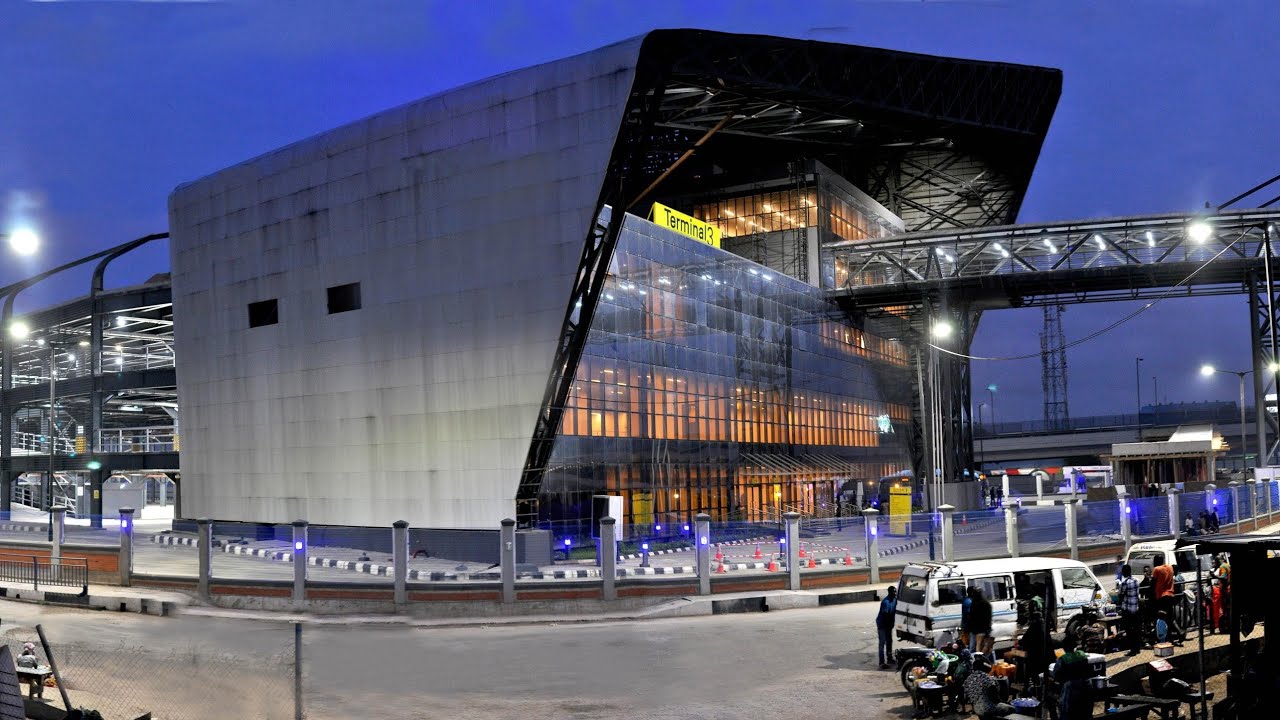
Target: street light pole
[1208,370]
[53,435]
[1244,452]
[1137,383]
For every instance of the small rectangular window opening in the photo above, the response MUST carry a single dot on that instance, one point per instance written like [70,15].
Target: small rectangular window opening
[344,298]
[265,312]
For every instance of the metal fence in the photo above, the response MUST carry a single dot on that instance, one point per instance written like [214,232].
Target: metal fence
[44,571]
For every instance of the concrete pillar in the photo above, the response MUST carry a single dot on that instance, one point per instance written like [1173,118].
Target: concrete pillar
[608,558]
[793,549]
[1175,512]
[1070,511]
[948,536]
[126,546]
[204,549]
[871,519]
[1004,486]
[1267,490]
[1252,486]
[1039,486]
[59,533]
[400,558]
[1011,527]
[1126,527]
[1234,491]
[702,551]
[299,563]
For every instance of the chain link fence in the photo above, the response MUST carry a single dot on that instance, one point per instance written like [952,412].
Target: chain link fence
[123,681]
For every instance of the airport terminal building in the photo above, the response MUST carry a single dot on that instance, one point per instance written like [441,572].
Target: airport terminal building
[608,274]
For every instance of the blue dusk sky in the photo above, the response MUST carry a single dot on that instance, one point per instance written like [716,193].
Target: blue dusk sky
[106,106]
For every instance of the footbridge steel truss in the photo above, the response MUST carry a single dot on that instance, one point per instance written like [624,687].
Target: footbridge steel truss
[917,278]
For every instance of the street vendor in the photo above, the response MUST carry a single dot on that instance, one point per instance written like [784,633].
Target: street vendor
[27,659]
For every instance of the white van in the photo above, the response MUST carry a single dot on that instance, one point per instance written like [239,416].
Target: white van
[930,595]
[1149,554]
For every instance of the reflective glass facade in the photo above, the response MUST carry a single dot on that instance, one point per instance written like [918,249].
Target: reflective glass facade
[713,384]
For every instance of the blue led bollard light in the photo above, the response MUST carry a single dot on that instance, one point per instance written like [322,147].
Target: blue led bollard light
[644,546]
[657,528]
[686,528]
[568,542]
[297,545]
[704,539]
[873,530]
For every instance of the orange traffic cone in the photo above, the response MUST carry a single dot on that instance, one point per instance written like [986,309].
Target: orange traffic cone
[758,554]
[848,557]
[719,554]
[773,564]
[720,568]
[802,552]
[812,564]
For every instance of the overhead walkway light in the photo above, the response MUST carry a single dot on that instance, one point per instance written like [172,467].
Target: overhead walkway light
[941,329]
[24,241]
[1199,231]
[19,330]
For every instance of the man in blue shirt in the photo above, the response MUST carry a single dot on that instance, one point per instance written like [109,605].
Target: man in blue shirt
[884,625]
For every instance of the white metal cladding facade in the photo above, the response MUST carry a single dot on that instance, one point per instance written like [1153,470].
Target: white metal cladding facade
[462,217]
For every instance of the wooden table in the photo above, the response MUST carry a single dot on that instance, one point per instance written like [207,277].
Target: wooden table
[34,678]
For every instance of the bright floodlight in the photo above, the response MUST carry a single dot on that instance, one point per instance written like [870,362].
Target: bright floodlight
[941,329]
[23,241]
[1199,231]
[1206,370]
[1274,367]
[19,330]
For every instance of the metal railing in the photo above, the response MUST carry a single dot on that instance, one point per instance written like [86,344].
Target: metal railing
[35,444]
[49,572]
[156,438]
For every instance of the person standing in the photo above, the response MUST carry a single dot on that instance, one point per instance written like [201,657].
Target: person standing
[1071,673]
[884,625]
[1215,520]
[1166,601]
[980,620]
[1130,609]
[1190,524]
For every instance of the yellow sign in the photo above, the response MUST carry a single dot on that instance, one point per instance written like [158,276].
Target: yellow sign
[686,225]
[642,509]
[899,510]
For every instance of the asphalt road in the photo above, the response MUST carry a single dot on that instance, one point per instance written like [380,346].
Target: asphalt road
[804,663]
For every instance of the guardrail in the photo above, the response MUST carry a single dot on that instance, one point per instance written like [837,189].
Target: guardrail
[156,438]
[50,572]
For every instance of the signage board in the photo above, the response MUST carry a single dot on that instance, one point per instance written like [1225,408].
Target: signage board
[686,225]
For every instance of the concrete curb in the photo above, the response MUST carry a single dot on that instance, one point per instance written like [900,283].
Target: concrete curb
[93,601]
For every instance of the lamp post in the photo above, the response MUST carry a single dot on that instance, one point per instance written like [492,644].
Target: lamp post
[21,331]
[1137,384]
[982,441]
[1207,371]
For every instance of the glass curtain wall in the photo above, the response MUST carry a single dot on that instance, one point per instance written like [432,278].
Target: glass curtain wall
[712,384]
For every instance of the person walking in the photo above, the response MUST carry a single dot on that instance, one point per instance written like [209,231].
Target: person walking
[1166,601]
[884,625]
[980,621]
[1130,609]
[1215,520]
